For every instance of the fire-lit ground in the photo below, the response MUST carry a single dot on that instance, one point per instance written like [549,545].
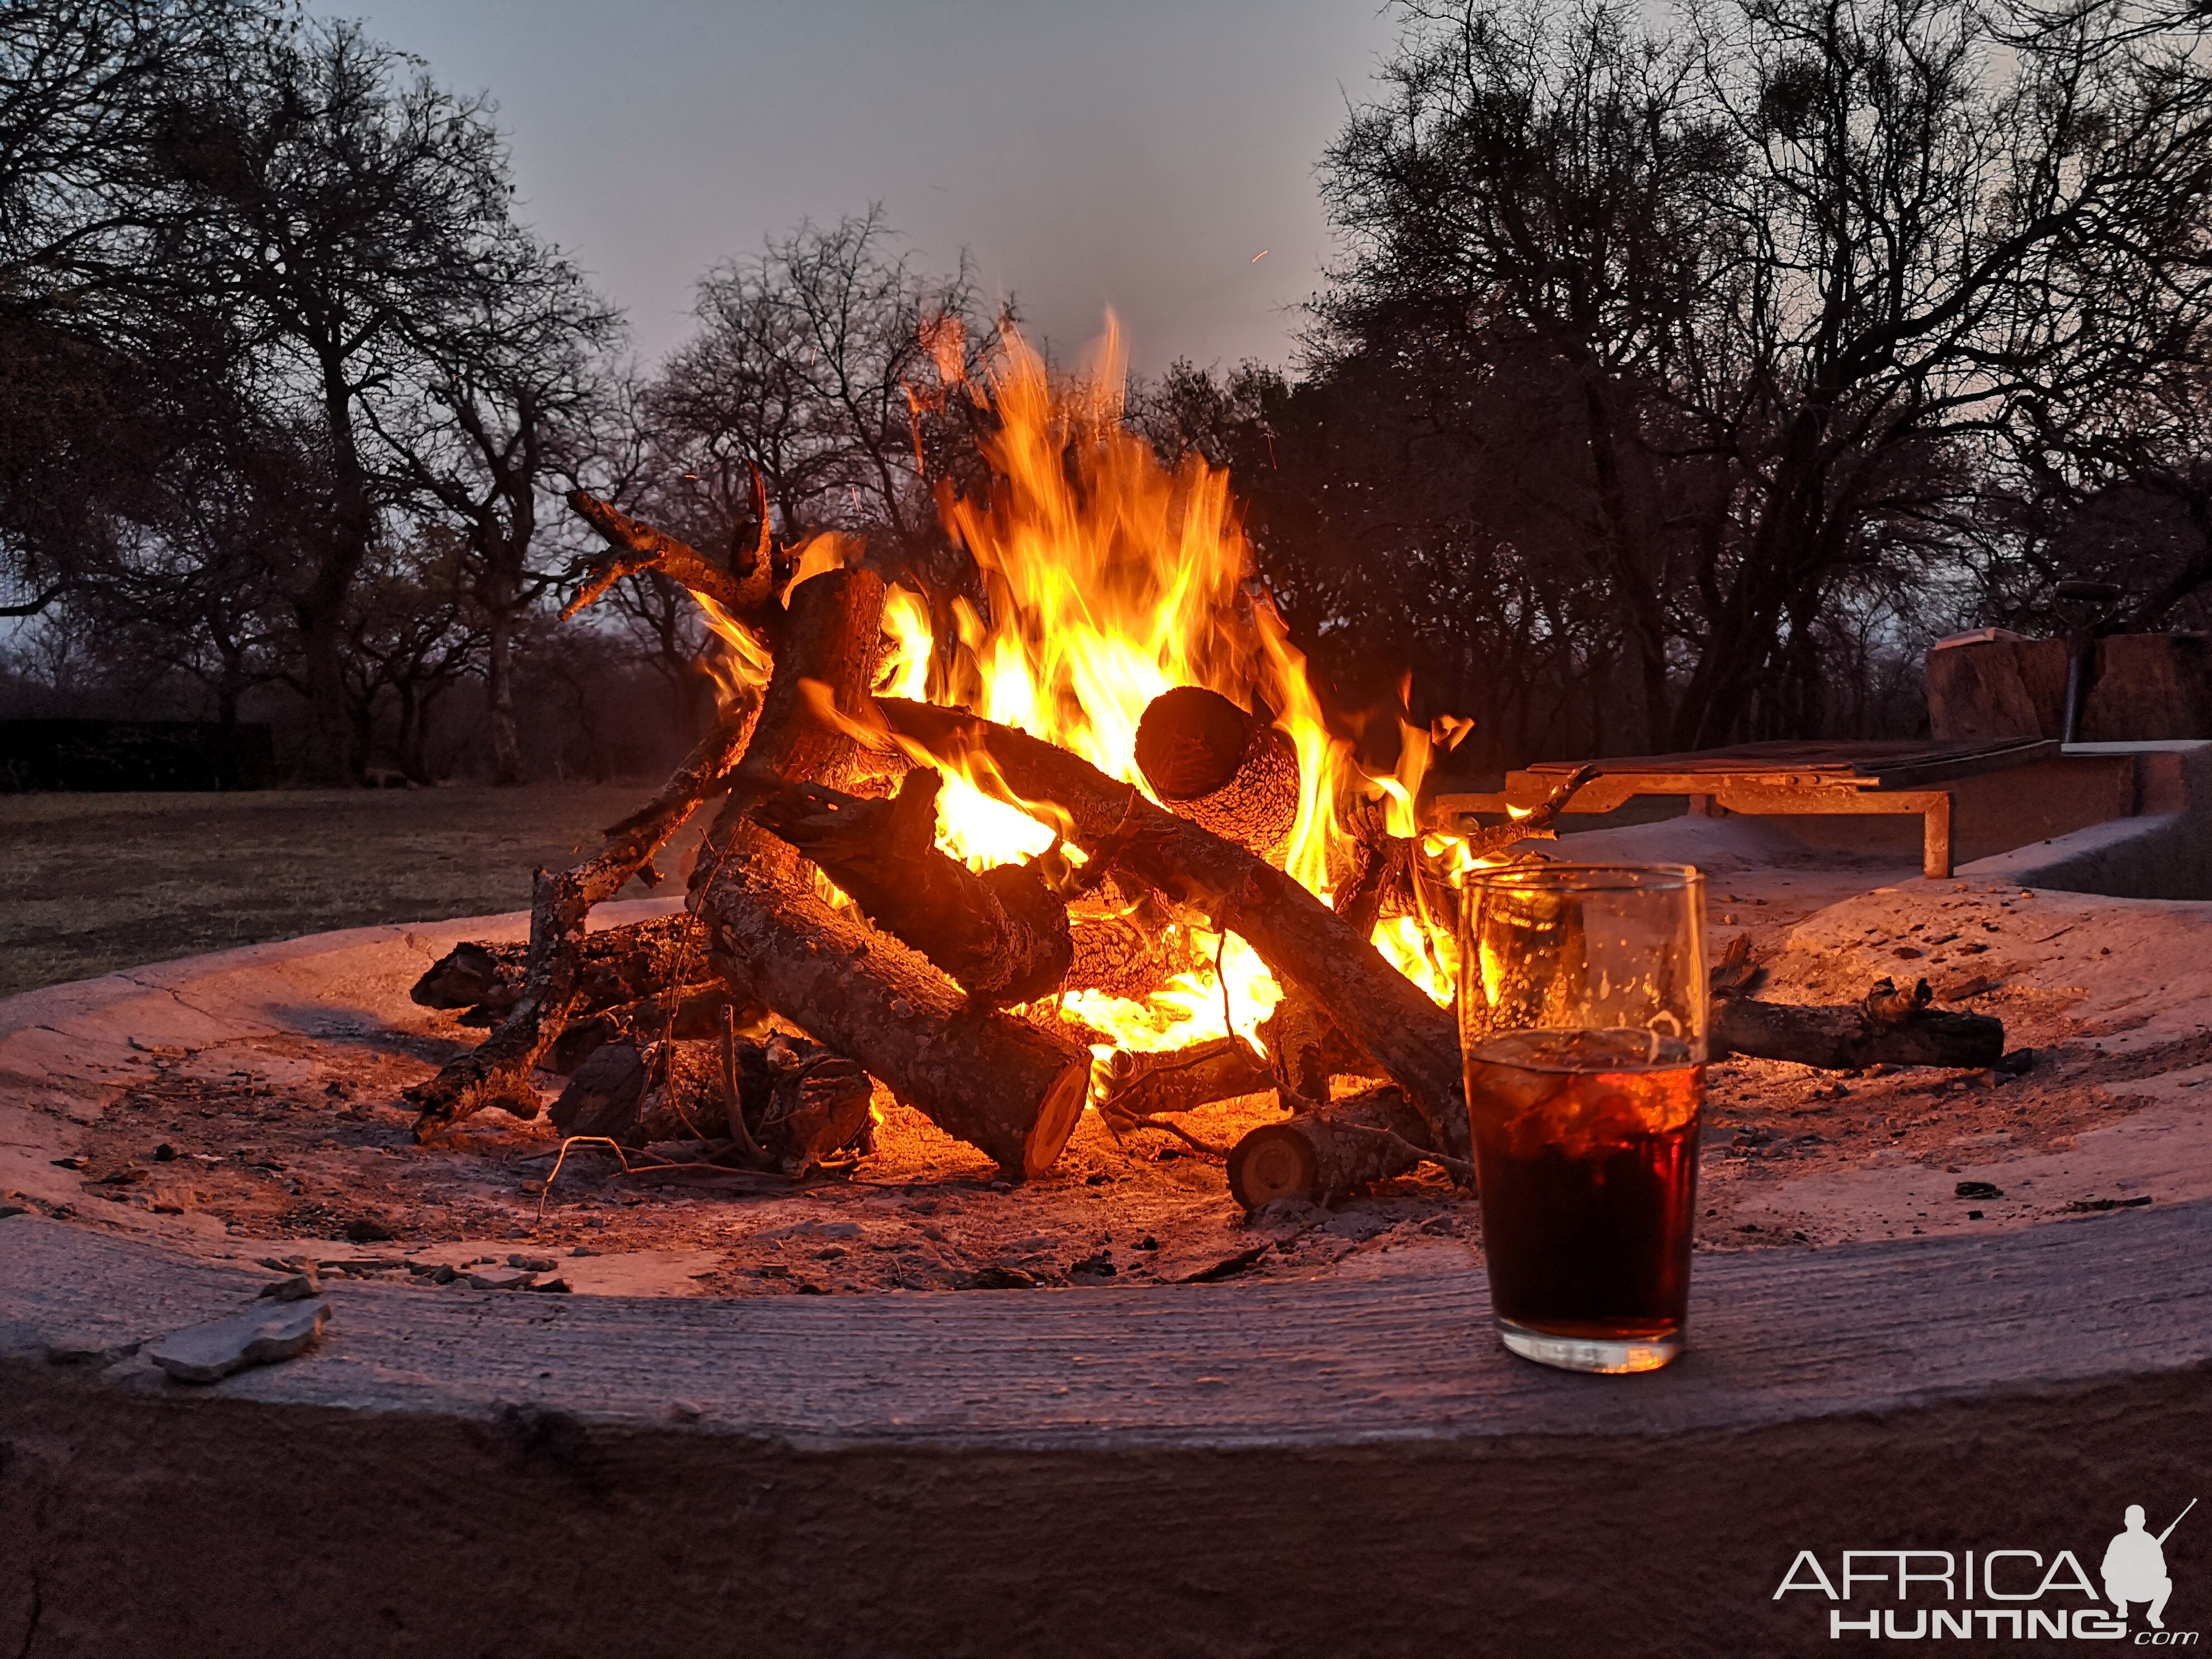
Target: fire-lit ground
[278,1142]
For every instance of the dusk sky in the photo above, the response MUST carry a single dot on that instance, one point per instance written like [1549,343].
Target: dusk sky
[1136,153]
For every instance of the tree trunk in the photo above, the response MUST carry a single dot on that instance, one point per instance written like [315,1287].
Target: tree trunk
[499,696]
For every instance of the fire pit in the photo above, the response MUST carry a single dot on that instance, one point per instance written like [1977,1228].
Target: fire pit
[504,1454]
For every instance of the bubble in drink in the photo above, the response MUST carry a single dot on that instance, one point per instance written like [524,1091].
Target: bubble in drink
[1586,1146]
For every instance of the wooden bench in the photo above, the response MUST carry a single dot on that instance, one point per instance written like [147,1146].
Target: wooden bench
[1889,778]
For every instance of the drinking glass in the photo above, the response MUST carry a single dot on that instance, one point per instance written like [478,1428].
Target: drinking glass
[1582,1012]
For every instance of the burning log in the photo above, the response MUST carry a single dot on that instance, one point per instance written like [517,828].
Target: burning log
[997,1082]
[497,1071]
[1891,1026]
[1328,1152]
[1002,933]
[1304,943]
[1218,766]
[1141,1085]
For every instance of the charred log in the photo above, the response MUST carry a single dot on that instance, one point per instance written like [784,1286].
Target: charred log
[1218,766]
[1002,933]
[1891,1026]
[1327,1152]
[606,1095]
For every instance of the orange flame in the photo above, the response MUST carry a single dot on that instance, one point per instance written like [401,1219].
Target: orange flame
[1109,580]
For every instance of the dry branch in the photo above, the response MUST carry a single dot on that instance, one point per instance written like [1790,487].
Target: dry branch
[744,597]
[497,1071]
[1305,944]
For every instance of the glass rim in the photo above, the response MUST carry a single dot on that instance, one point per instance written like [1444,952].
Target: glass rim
[1588,878]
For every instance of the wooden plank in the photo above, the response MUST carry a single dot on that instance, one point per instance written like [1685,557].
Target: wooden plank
[1832,759]
[1778,1335]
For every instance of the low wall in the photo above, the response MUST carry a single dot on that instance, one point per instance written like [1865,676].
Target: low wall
[2163,853]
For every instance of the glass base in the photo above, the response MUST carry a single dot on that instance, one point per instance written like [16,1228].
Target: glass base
[1612,1354]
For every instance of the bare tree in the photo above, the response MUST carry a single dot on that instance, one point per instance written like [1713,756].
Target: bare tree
[1802,268]
[339,207]
[516,385]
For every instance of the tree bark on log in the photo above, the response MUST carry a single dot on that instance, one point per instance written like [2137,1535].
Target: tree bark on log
[1305,944]
[1002,933]
[1218,766]
[497,1071]
[1325,1153]
[1892,1027]
[1129,954]
[997,1082]
[1181,1080]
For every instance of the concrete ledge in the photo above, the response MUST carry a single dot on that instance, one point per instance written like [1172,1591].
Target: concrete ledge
[1333,1468]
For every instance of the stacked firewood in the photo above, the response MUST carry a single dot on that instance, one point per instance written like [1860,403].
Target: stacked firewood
[941,983]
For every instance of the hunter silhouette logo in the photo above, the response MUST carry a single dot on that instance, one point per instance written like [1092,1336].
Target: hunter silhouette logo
[2135,1566]
[1912,1593]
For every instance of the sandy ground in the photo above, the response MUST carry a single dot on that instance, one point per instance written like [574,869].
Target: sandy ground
[93,883]
[265,1121]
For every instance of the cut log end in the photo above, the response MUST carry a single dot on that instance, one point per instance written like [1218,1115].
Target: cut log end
[1273,1162]
[1057,1116]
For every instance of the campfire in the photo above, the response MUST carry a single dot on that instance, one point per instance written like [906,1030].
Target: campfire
[1089,842]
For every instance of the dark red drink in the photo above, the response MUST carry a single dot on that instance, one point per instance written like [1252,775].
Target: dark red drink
[1586,1146]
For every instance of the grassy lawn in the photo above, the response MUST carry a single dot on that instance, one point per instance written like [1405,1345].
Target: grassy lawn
[89,884]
